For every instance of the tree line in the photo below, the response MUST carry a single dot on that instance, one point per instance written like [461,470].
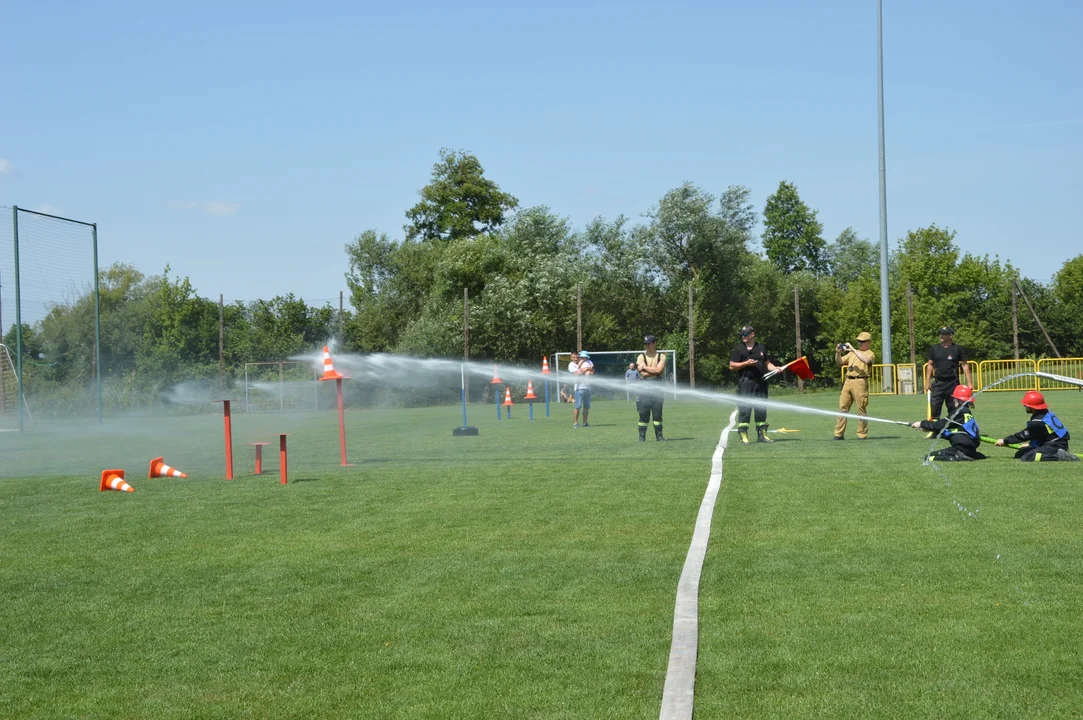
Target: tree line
[521,267]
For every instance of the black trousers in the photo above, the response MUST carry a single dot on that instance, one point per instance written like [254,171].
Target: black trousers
[751,388]
[649,403]
[940,396]
[1050,452]
[954,453]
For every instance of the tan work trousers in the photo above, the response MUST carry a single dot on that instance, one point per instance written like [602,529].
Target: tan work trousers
[854,391]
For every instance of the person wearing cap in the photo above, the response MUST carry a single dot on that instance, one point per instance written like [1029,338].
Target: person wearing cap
[749,360]
[651,365]
[855,388]
[960,429]
[1044,439]
[945,359]
[581,367]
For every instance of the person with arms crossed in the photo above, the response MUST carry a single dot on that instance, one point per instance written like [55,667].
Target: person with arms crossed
[855,389]
[651,365]
[749,360]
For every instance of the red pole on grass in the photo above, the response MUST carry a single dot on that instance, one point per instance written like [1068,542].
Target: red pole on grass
[282,457]
[229,438]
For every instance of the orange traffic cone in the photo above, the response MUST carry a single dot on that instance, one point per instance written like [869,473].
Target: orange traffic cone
[160,469]
[496,378]
[114,480]
[545,364]
[507,397]
[530,391]
[329,372]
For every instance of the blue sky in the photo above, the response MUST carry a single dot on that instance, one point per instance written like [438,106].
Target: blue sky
[245,144]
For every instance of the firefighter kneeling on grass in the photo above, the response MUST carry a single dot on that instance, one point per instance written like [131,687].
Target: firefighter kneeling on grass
[959,428]
[1045,437]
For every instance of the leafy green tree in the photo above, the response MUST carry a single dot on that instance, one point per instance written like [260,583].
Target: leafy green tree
[851,257]
[1067,290]
[792,236]
[180,340]
[690,243]
[528,308]
[459,202]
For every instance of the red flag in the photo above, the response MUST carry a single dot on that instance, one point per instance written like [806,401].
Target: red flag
[800,368]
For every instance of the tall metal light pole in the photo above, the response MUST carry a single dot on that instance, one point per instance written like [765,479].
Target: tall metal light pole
[885,297]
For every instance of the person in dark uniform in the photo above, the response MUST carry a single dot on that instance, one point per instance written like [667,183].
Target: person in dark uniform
[1045,436]
[944,360]
[960,429]
[652,368]
[749,360]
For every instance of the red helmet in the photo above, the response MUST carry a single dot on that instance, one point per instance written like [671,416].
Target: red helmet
[963,393]
[1034,401]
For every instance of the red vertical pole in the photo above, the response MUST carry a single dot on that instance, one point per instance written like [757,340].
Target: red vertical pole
[229,439]
[259,459]
[282,456]
[341,423]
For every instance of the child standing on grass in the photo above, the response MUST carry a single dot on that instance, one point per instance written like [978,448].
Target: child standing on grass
[960,429]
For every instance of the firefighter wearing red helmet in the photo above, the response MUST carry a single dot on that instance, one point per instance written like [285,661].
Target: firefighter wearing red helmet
[960,429]
[1044,439]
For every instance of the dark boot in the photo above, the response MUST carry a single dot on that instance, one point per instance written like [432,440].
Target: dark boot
[642,434]
[658,433]
[761,434]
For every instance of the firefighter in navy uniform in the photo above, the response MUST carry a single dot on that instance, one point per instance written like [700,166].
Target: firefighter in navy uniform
[1045,437]
[749,360]
[960,429]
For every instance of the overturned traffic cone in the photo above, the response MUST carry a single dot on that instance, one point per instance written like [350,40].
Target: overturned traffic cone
[545,364]
[114,480]
[507,397]
[160,469]
[530,391]
[329,372]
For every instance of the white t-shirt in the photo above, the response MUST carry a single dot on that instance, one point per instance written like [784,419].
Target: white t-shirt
[574,368]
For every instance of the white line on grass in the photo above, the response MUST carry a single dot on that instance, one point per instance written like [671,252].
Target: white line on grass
[679,691]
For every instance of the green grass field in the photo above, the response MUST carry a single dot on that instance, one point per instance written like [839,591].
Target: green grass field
[531,572]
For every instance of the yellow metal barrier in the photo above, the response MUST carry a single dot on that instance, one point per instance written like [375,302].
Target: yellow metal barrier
[1069,367]
[876,380]
[990,371]
[908,382]
[974,368]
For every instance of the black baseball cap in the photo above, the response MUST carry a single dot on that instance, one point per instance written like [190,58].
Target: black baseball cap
[946,330]
[747,330]
[649,339]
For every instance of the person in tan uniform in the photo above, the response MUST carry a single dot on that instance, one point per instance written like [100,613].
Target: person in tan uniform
[855,389]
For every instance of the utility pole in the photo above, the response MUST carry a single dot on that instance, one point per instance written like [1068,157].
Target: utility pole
[1037,319]
[221,341]
[910,320]
[691,343]
[1015,322]
[797,331]
[578,316]
[341,324]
